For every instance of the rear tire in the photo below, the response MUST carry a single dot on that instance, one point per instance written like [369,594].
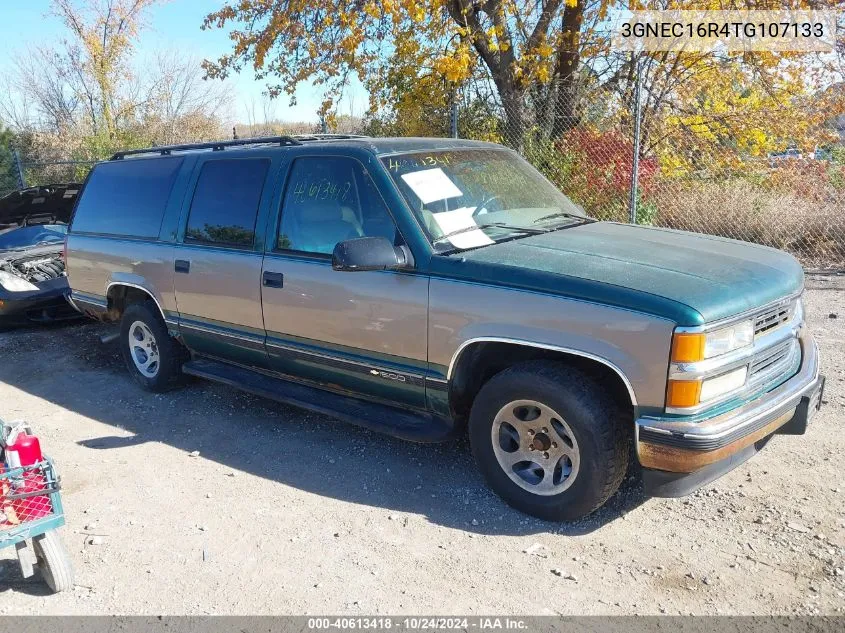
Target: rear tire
[53,561]
[152,357]
[549,440]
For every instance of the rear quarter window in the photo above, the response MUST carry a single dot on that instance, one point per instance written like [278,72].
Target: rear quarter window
[126,197]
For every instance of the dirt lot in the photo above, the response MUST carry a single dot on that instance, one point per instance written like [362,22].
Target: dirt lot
[286,512]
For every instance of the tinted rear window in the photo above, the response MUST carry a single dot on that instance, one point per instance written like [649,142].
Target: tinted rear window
[127,197]
[225,204]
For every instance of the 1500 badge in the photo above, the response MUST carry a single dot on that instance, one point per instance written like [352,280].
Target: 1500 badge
[388,375]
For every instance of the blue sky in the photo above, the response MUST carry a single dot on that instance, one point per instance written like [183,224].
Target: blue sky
[172,25]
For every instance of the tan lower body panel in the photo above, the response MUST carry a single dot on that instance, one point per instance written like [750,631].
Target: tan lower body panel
[684,460]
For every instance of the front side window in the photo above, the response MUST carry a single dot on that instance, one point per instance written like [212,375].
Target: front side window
[468,198]
[225,204]
[328,200]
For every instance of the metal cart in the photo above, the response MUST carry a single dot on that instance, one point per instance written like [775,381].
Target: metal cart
[30,512]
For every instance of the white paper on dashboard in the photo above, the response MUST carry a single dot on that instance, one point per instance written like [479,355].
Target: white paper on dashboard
[458,219]
[431,185]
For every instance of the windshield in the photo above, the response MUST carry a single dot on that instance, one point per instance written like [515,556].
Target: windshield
[469,198]
[33,236]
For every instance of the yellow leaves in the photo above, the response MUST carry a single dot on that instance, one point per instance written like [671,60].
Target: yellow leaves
[543,74]
[455,67]
[745,113]
[350,43]
[544,50]
[414,10]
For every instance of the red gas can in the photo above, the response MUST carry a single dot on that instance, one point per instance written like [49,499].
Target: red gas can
[24,449]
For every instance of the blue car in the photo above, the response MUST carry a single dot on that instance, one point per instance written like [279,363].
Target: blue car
[33,284]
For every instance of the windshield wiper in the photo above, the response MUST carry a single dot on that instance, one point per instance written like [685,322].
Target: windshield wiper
[498,225]
[563,214]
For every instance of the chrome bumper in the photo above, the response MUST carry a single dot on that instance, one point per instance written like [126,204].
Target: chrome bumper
[682,446]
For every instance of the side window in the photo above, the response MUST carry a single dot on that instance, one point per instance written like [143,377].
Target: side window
[127,197]
[329,200]
[225,204]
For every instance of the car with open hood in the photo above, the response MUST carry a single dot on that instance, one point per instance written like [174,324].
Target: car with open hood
[427,288]
[33,225]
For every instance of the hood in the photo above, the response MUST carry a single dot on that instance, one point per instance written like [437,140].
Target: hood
[688,277]
[46,204]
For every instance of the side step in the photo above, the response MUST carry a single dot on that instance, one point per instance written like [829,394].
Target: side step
[395,421]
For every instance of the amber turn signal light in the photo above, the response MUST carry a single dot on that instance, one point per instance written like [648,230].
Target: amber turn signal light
[688,348]
[683,393]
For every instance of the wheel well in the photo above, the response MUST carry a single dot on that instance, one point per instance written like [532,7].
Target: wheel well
[480,361]
[121,296]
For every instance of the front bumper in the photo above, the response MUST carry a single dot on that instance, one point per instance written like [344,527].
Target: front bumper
[48,303]
[680,456]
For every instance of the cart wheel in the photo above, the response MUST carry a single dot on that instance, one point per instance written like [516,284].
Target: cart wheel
[53,561]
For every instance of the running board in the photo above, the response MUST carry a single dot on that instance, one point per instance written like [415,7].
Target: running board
[395,421]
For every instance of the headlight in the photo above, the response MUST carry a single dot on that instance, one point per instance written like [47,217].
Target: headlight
[681,394]
[691,347]
[13,283]
[720,385]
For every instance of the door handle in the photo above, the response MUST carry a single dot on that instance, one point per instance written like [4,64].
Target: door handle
[273,280]
[182,266]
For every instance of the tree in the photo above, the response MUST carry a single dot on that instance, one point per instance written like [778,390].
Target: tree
[292,41]
[8,169]
[103,35]
[84,97]
[177,105]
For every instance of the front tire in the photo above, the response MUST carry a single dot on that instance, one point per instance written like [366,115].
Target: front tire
[152,356]
[549,440]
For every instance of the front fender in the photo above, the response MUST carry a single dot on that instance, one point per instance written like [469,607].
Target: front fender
[635,345]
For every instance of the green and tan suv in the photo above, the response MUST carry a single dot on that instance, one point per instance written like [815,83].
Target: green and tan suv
[426,287]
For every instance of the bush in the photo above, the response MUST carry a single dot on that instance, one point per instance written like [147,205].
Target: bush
[598,176]
[801,221]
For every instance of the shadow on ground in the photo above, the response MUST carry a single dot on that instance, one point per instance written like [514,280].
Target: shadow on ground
[11,580]
[72,369]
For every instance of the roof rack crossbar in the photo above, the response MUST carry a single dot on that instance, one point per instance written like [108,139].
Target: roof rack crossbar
[166,150]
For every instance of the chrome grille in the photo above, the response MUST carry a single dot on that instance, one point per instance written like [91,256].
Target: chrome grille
[773,318]
[772,363]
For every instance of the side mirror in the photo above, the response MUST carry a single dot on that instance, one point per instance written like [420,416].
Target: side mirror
[370,253]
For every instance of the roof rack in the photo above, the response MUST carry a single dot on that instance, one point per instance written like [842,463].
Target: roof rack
[326,137]
[216,146]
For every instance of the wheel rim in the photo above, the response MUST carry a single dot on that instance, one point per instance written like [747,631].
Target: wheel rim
[535,447]
[143,349]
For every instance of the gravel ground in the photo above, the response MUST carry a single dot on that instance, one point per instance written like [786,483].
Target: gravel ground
[286,512]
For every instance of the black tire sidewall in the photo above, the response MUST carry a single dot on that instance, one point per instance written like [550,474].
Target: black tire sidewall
[169,368]
[583,410]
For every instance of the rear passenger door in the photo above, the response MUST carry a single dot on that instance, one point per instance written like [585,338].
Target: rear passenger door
[359,332]
[218,256]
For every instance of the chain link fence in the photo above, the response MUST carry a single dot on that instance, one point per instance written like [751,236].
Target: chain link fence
[705,171]
[24,173]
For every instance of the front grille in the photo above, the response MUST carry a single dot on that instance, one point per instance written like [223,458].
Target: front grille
[773,318]
[772,363]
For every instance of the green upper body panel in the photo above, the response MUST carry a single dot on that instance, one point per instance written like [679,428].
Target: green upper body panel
[689,278]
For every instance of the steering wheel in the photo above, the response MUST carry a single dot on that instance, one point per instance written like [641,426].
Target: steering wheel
[482,209]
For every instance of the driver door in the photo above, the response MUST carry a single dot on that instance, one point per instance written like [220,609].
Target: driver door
[363,332]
